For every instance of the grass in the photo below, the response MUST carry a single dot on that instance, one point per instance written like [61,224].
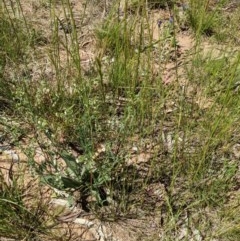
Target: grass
[117,132]
[23,215]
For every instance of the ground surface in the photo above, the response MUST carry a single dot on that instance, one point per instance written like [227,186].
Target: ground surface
[190,223]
